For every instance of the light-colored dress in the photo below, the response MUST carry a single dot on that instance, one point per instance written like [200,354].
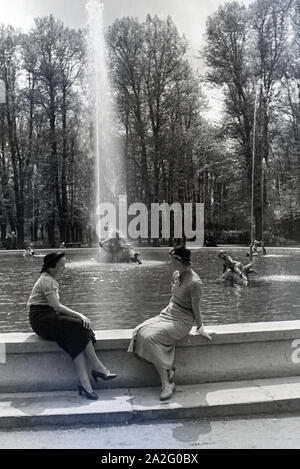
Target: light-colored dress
[154,340]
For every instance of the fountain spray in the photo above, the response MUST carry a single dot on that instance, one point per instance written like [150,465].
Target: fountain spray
[109,171]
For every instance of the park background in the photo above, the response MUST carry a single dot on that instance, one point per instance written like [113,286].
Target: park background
[185,102]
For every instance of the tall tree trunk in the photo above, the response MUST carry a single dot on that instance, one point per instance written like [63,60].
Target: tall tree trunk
[64,222]
[17,166]
[54,168]
[51,232]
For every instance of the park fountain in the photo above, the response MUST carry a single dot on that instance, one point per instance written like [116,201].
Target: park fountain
[109,163]
[109,287]
[117,299]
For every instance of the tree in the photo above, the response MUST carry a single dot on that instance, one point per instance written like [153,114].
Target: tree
[244,52]
[55,53]
[14,155]
[270,21]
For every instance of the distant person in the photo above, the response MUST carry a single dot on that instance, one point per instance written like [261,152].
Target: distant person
[257,248]
[155,339]
[210,240]
[13,240]
[8,241]
[29,252]
[264,251]
[51,320]
[136,258]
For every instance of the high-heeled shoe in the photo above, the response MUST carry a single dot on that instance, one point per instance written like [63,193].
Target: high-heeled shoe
[105,376]
[89,395]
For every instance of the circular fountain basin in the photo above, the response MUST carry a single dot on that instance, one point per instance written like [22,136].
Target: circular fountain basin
[117,296]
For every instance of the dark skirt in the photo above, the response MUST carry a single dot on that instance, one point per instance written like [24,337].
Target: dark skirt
[67,331]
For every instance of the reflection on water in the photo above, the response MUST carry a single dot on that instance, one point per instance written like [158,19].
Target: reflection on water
[276,255]
[280,278]
[113,267]
[117,296]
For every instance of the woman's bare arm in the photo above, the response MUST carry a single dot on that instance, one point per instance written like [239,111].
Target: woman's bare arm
[198,317]
[54,302]
[196,310]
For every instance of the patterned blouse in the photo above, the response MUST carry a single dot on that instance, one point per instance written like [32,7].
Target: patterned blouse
[43,287]
[186,287]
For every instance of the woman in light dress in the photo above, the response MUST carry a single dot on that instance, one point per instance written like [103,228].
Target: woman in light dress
[155,339]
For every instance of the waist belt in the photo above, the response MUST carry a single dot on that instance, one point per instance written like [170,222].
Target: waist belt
[183,307]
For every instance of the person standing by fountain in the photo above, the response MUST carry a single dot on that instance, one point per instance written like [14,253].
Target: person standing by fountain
[71,330]
[155,339]
[29,251]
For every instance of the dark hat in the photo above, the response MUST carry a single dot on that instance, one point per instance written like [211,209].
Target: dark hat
[51,260]
[181,254]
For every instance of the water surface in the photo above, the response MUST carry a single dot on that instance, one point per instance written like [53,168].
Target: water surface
[117,296]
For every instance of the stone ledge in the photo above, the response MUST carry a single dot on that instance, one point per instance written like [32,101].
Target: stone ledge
[237,352]
[22,343]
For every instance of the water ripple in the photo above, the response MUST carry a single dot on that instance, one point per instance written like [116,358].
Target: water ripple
[122,296]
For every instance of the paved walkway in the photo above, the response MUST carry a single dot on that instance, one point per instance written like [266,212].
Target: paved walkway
[260,432]
[119,406]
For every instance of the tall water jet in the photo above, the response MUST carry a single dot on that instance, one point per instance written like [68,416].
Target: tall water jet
[109,172]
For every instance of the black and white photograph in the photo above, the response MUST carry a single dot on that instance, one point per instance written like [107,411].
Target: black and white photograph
[149,227]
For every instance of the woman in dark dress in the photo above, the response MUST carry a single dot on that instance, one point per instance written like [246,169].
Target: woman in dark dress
[71,330]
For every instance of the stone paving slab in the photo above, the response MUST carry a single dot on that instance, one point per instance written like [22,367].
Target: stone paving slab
[59,408]
[116,406]
[205,400]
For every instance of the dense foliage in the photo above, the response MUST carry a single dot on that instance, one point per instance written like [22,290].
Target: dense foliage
[172,152]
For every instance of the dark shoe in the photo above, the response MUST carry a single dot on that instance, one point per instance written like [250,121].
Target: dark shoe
[89,395]
[105,376]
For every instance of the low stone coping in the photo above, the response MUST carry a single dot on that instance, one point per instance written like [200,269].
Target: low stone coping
[23,343]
